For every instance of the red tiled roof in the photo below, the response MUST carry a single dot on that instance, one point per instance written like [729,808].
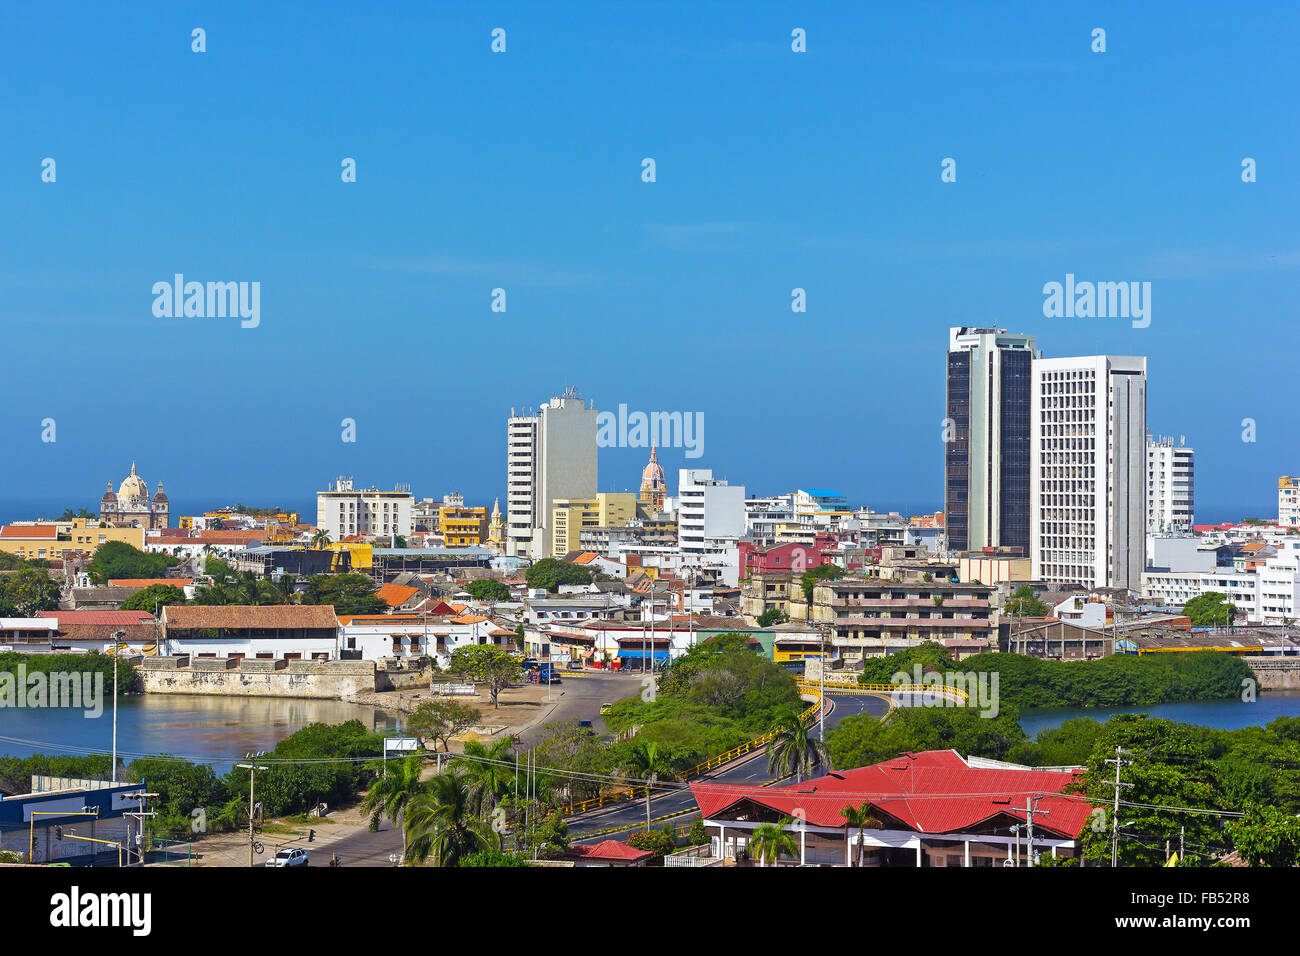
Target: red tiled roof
[98,617]
[609,850]
[45,531]
[288,616]
[936,791]
[146,582]
[394,595]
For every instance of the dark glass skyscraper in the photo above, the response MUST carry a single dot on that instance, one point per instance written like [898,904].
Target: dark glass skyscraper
[987,439]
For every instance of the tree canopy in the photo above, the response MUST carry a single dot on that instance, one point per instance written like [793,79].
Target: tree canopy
[117,559]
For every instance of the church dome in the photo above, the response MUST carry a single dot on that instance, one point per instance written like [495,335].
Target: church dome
[133,486]
[652,476]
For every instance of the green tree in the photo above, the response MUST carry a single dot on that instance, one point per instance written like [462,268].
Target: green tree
[488,590]
[861,818]
[320,539]
[485,858]
[348,593]
[441,825]
[773,615]
[117,559]
[645,761]
[823,572]
[24,592]
[1266,836]
[793,749]
[658,842]
[391,793]
[550,573]
[441,720]
[1209,609]
[154,597]
[489,771]
[1024,603]
[486,664]
[771,841]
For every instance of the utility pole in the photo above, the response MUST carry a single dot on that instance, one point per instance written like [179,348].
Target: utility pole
[1029,809]
[1118,761]
[140,815]
[1015,832]
[252,769]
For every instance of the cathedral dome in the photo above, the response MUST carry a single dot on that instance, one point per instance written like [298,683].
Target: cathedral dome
[652,476]
[133,486]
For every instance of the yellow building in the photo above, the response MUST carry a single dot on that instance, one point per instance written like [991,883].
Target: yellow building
[569,516]
[55,539]
[463,527]
[362,555]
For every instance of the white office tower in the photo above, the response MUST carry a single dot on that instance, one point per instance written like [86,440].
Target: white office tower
[710,512]
[1170,488]
[550,455]
[1088,471]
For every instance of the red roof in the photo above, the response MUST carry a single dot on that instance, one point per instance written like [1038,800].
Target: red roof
[47,531]
[395,595]
[609,850]
[97,617]
[936,791]
[146,582]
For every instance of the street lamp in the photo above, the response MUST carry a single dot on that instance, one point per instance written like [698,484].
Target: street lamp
[116,635]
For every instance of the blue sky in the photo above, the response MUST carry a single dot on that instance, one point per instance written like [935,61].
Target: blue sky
[522,170]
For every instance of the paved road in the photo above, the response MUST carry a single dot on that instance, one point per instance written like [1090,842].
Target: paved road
[677,798]
[579,696]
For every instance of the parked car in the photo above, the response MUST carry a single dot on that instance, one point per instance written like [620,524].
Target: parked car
[290,857]
[574,665]
[605,709]
[585,725]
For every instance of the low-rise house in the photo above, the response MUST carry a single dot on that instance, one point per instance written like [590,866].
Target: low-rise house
[274,632]
[934,808]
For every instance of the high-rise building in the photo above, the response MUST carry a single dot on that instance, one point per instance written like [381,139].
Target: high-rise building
[710,512]
[1088,471]
[1288,501]
[1170,487]
[987,441]
[549,456]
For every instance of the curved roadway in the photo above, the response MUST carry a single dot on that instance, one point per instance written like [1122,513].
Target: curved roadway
[677,798]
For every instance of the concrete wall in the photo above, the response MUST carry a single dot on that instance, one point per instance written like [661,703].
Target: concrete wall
[1276,673]
[318,680]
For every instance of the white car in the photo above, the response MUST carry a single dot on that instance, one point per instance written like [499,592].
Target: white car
[289,858]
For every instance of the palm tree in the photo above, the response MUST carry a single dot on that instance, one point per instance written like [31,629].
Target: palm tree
[770,841]
[489,772]
[860,817]
[645,762]
[792,749]
[320,539]
[441,826]
[390,794]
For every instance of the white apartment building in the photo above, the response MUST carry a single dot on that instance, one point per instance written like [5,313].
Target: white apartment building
[1279,585]
[1170,486]
[820,508]
[549,456]
[764,515]
[1288,501]
[1088,471]
[710,512]
[1241,588]
[343,510]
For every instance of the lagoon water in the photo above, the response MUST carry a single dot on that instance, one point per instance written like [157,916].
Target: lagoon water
[212,730]
[1221,714]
